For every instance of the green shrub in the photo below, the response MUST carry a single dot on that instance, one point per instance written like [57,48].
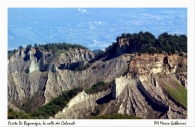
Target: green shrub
[56,104]
[99,86]
[98,109]
[11,53]
[82,67]
[60,52]
[50,109]
[18,115]
[181,67]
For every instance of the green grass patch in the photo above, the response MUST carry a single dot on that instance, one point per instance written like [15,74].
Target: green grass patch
[178,95]
[99,86]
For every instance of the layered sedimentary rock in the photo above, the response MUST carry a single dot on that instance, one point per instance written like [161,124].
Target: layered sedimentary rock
[138,96]
[81,106]
[34,60]
[138,86]
[52,81]
[139,92]
[74,58]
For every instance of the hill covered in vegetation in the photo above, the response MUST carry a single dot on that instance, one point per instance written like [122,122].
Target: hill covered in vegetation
[55,48]
[164,43]
[145,42]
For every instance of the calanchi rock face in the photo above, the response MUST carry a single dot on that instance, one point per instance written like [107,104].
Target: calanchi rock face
[137,87]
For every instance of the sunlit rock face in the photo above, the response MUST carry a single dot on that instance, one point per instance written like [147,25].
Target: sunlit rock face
[135,82]
[140,94]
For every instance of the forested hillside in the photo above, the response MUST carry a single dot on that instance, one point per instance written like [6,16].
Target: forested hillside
[164,43]
[147,43]
[56,48]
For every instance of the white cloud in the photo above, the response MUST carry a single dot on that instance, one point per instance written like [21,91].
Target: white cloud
[51,36]
[35,22]
[138,23]
[98,45]
[11,37]
[91,27]
[95,41]
[28,28]
[82,11]
[97,22]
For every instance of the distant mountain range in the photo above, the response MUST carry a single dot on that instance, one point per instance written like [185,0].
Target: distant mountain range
[94,28]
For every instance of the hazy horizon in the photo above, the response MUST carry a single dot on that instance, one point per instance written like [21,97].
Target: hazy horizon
[95,28]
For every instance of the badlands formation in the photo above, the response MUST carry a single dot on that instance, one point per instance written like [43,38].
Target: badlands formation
[137,82]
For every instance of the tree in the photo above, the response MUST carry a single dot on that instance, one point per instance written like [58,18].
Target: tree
[14,51]
[123,35]
[117,39]
[46,47]
[29,46]
[35,45]
[20,47]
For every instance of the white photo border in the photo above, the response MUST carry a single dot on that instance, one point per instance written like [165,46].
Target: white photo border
[5,4]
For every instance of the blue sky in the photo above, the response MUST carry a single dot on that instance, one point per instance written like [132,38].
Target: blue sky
[95,28]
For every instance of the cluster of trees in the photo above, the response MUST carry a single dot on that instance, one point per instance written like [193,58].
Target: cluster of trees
[50,109]
[56,48]
[56,104]
[99,86]
[11,53]
[165,42]
[145,42]
[18,115]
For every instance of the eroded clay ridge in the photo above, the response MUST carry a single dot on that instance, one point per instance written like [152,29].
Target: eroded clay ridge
[27,76]
[140,84]
[140,93]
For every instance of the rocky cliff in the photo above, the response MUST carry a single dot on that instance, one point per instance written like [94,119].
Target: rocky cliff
[140,84]
[25,78]
[124,45]
[74,58]
[141,93]
[33,60]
